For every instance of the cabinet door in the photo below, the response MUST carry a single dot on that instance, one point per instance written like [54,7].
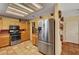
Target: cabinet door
[34,39]
[9,21]
[22,25]
[4,41]
[24,36]
[0,23]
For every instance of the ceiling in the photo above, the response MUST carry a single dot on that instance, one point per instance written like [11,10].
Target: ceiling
[70,9]
[9,10]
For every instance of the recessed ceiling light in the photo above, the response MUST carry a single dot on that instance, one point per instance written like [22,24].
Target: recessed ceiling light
[20,5]
[37,5]
[10,12]
[17,10]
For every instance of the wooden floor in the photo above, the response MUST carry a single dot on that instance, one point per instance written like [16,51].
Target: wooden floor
[25,48]
[70,49]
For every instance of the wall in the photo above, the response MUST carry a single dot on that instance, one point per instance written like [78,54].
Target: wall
[71,29]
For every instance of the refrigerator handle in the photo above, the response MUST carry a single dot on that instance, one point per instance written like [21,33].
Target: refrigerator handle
[39,29]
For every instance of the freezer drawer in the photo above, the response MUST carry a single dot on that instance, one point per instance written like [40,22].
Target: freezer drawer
[46,48]
[42,47]
[50,49]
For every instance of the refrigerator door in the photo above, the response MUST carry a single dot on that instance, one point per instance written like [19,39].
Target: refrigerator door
[46,48]
[50,49]
[46,37]
[51,31]
[43,33]
[45,30]
[42,45]
[40,30]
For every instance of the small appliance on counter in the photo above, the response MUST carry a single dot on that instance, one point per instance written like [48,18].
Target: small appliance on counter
[15,35]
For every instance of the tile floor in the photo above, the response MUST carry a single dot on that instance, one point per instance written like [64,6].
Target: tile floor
[24,48]
[70,49]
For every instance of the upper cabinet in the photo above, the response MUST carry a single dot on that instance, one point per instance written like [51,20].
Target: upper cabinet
[27,26]
[9,21]
[24,25]
[0,23]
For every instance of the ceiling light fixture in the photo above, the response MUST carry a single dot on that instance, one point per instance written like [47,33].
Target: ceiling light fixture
[37,5]
[20,5]
[17,10]
[10,12]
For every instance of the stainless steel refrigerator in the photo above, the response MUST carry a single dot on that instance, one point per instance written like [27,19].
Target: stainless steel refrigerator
[46,35]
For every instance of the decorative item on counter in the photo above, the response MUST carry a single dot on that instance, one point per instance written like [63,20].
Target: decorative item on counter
[61,37]
[62,19]
[61,26]
[59,13]
[40,17]
[51,14]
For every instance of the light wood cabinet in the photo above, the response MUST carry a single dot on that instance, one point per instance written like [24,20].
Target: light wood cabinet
[4,40]
[24,36]
[22,24]
[34,39]
[9,21]
[0,23]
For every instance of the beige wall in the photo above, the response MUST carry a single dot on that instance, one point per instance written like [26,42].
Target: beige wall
[71,29]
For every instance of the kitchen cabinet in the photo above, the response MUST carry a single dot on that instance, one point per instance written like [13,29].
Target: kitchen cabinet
[9,21]
[24,36]
[34,26]
[0,23]
[22,24]
[34,39]
[4,40]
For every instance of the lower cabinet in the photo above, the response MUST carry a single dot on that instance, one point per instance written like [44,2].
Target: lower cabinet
[4,41]
[24,36]
[34,39]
